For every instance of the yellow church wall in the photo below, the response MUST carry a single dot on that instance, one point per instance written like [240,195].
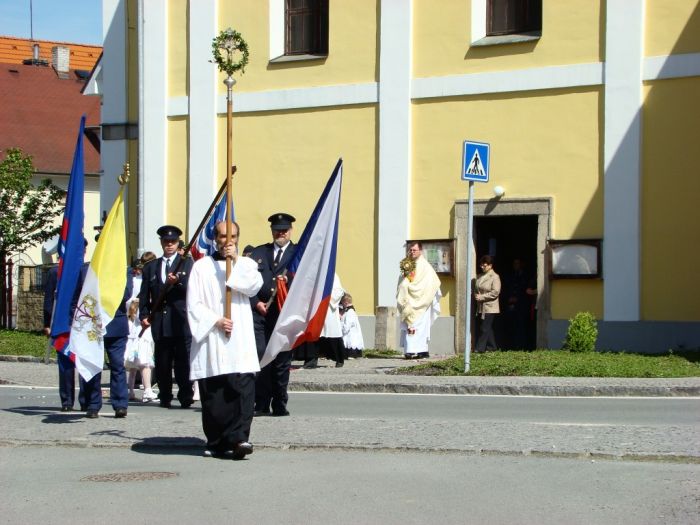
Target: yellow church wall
[177,48]
[352,47]
[571,34]
[550,147]
[670,189]
[176,190]
[671,27]
[568,297]
[284,160]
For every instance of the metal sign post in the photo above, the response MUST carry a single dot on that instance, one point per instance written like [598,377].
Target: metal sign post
[476,157]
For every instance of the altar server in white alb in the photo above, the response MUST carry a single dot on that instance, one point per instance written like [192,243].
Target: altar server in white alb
[418,302]
[223,356]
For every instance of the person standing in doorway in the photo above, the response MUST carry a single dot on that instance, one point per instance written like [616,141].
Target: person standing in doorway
[486,291]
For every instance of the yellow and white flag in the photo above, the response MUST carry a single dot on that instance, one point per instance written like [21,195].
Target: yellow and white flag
[103,291]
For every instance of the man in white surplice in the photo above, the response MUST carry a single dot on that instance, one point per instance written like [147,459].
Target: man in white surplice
[223,356]
[418,302]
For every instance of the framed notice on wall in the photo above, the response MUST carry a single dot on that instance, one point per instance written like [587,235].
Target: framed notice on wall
[575,259]
[439,253]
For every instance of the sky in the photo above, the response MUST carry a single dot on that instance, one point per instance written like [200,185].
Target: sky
[74,21]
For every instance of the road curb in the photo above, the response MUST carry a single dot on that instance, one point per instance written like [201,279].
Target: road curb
[497,390]
[192,444]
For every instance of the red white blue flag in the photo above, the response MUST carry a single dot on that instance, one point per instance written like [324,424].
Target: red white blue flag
[71,251]
[205,244]
[313,267]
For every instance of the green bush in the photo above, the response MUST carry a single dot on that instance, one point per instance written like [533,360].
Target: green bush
[582,333]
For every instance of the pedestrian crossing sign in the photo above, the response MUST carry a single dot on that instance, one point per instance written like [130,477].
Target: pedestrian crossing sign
[475,161]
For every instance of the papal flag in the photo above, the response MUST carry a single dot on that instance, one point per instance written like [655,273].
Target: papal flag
[103,291]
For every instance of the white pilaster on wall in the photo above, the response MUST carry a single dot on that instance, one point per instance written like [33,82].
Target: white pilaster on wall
[202,112]
[276,13]
[113,152]
[153,124]
[624,54]
[394,199]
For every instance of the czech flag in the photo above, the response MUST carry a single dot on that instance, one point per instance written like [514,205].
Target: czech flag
[71,251]
[313,267]
[205,244]
[102,293]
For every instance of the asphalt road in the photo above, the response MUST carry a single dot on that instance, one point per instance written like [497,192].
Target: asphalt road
[66,485]
[627,428]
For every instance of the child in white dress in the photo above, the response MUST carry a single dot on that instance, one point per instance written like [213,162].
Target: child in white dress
[352,333]
[139,355]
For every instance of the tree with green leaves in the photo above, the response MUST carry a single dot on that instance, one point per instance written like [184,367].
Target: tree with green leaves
[27,214]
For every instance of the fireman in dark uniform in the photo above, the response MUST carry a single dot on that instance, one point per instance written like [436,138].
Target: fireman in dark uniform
[169,326]
[272,258]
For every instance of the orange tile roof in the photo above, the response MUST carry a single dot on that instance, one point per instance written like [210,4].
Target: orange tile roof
[41,113]
[15,50]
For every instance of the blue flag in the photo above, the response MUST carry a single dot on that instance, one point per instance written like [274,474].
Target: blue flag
[205,243]
[71,250]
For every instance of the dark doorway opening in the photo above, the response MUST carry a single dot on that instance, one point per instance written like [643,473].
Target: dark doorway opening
[510,239]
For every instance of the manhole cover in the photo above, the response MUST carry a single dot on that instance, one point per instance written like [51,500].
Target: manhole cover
[130,476]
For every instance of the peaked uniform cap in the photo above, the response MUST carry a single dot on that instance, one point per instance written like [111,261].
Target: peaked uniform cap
[169,232]
[280,221]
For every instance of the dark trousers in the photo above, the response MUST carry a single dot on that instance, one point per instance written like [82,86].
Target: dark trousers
[333,348]
[271,384]
[273,380]
[118,390]
[66,380]
[169,353]
[486,338]
[227,409]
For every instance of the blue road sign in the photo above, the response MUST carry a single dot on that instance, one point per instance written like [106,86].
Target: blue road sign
[475,161]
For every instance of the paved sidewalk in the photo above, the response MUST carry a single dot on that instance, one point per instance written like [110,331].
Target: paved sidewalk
[370,375]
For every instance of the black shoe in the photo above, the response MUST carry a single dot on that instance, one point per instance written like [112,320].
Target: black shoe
[92,414]
[240,451]
[259,413]
[66,409]
[311,363]
[280,413]
[423,355]
[165,404]
[186,405]
[339,365]
[120,412]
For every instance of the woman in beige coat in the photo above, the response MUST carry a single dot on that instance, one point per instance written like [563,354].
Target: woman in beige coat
[486,292]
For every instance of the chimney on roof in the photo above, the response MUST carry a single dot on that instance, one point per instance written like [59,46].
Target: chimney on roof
[35,60]
[60,60]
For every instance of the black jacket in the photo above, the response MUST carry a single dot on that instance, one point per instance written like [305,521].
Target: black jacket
[171,318]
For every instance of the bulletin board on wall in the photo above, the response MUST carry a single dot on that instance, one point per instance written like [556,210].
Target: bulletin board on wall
[575,259]
[440,253]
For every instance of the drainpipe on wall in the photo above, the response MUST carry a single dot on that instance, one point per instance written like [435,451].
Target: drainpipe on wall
[140,203]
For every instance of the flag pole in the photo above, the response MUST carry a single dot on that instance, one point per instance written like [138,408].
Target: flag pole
[229,81]
[181,260]
[224,45]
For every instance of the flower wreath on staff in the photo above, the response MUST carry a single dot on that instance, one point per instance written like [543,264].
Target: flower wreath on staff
[230,40]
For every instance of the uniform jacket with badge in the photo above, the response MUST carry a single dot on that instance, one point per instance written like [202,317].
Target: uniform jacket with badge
[264,255]
[171,318]
[487,289]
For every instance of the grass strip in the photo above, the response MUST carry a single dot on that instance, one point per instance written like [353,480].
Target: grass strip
[561,363]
